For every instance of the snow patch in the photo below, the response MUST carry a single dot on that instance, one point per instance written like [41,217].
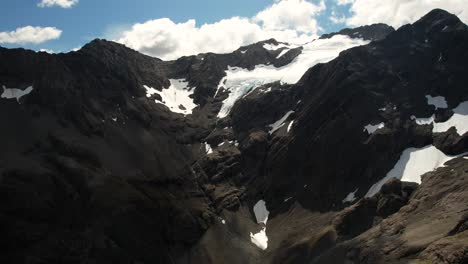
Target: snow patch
[243,51]
[14,93]
[413,163]
[287,199]
[372,128]
[261,212]
[424,120]
[280,123]
[208,149]
[438,101]
[260,239]
[459,120]
[239,81]
[273,47]
[351,197]
[176,97]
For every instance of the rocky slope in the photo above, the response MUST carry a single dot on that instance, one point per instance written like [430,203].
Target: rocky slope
[111,156]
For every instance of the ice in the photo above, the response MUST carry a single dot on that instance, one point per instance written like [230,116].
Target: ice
[413,163]
[372,128]
[280,123]
[14,93]
[239,81]
[176,97]
[351,197]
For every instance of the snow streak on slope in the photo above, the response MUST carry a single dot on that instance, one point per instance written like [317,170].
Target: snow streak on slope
[176,97]
[14,93]
[412,164]
[239,81]
[280,123]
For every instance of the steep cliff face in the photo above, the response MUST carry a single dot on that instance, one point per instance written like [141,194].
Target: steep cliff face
[111,156]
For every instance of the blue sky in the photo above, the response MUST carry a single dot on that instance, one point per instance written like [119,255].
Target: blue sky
[90,19]
[139,24]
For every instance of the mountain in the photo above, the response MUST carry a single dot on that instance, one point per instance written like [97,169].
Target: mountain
[347,149]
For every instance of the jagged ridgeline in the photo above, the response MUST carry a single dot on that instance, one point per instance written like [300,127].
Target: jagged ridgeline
[347,149]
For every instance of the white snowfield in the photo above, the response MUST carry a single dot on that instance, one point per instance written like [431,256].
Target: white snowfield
[372,128]
[280,123]
[176,97]
[14,93]
[239,81]
[260,239]
[459,120]
[412,164]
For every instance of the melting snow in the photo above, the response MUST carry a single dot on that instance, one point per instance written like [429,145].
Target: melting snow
[239,81]
[243,51]
[280,123]
[372,128]
[176,97]
[260,239]
[438,101]
[459,120]
[10,93]
[412,164]
[350,197]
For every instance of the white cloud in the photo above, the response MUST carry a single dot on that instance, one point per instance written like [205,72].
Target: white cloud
[291,14]
[337,19]
[286,20]
[344,2]
[400,12]
[60,3]
[30,35]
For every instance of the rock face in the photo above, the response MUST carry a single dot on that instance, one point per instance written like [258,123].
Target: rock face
[96,168]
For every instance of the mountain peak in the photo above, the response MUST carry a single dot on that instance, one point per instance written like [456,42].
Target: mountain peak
[438,19]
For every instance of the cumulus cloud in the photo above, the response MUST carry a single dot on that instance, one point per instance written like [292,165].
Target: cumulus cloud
[400,12]
[291,14]
[30,35]
[60,3]
[287,20]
